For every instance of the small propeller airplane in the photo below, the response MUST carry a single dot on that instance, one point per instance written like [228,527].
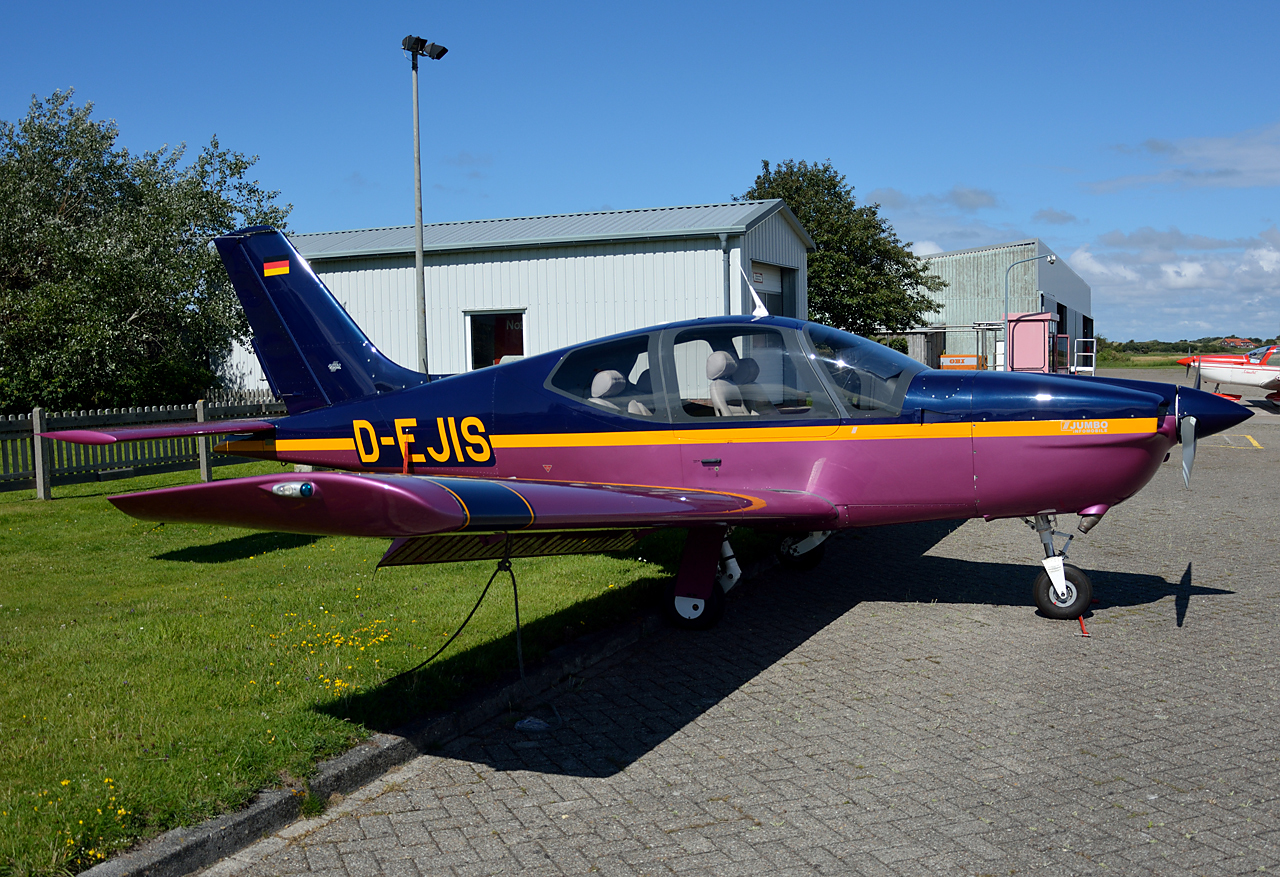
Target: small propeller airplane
[768,422]
[1257,368]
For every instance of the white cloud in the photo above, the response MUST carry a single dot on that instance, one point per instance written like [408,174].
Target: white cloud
[1267,258]
[1183,275]
[1247,159]
[925,248]
[1089,267]
[1171,285]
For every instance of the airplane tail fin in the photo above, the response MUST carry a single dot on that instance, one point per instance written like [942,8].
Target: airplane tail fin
[311,350]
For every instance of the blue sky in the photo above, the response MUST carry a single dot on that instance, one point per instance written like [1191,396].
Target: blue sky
[1141,141]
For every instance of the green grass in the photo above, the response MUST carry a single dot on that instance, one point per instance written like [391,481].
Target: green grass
[158,674]
[1140,360]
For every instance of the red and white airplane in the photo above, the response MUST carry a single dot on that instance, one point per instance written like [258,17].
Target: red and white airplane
[1257,368]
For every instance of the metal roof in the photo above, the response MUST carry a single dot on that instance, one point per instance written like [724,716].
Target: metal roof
[990,248]
[699,220]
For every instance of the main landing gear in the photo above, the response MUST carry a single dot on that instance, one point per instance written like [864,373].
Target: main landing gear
[1061,591]
[694,599]
[802,551]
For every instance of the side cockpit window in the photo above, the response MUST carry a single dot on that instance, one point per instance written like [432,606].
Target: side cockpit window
[869,379]
[612,377]
[744,371]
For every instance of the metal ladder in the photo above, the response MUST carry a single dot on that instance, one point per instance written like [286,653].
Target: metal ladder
[1086,356]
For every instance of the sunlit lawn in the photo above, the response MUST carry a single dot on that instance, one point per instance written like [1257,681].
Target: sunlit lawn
[159,674]
[1143,360]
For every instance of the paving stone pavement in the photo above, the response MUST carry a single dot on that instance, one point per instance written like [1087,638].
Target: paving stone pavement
[900,710]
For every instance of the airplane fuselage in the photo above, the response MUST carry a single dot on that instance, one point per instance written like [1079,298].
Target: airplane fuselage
[1258,368]
[964,444]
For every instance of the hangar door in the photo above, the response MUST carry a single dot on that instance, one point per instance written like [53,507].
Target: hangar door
[776,287]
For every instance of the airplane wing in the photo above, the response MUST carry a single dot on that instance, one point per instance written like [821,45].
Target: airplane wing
[400,506]
[159,430]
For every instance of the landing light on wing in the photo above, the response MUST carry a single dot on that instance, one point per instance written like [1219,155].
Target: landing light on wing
[297,489]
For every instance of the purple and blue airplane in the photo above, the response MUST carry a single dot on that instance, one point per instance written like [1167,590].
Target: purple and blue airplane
[767,422]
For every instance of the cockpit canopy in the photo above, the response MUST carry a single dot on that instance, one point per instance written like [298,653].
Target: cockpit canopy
[1260,353]
[772,368]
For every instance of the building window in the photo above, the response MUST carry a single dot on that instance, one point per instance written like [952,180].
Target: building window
[495,336]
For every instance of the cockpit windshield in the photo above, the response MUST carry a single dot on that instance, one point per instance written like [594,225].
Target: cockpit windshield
[1257,354]
[868,378]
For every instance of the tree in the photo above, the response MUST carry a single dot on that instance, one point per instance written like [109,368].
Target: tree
[862,278]
[109,293]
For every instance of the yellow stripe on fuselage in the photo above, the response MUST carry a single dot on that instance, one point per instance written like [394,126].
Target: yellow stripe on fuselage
[863,432]
[761,435]
[324,444]
[320,444]
[1065,428]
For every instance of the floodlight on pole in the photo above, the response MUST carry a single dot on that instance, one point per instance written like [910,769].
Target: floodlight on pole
[1008,348]
[416,46]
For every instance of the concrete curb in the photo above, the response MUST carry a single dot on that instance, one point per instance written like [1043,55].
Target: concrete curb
[184,850]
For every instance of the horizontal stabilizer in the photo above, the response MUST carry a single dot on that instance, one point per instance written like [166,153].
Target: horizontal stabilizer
[346,504]
[160,430]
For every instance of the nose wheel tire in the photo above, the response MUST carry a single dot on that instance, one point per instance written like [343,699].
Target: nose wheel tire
[789,559]
[1079,594]
[691,613]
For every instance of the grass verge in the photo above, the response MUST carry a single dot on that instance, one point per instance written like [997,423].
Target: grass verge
[1141,360]
[160,674]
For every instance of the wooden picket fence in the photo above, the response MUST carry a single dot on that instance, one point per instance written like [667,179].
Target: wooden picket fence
[28,462]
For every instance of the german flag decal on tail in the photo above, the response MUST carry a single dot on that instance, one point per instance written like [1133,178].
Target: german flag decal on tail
[275,266]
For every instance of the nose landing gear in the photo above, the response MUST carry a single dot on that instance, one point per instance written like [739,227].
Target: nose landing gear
[1062,590]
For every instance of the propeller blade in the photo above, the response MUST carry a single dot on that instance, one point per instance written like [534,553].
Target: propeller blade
[1188,430]
[1197,374]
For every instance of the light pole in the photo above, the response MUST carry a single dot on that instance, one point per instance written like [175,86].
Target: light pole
[416,46]
[1008,348]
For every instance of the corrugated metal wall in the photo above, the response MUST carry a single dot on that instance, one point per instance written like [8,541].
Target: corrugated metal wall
[568,294]
[775,242]
[378,294]
[975,289]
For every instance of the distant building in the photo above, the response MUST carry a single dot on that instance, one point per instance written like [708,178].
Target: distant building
[1242,343]
[513,287]
[975,297]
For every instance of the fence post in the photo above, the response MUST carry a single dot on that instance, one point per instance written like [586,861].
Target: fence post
[42,455]
[205,442]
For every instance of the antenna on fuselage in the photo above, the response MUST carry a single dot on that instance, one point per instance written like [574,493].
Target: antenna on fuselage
[760,310]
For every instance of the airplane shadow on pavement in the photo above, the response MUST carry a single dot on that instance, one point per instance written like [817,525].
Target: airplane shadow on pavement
[633,705]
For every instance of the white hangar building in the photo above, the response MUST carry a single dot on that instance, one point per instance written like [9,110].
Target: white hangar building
[513,287]
[976,288]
